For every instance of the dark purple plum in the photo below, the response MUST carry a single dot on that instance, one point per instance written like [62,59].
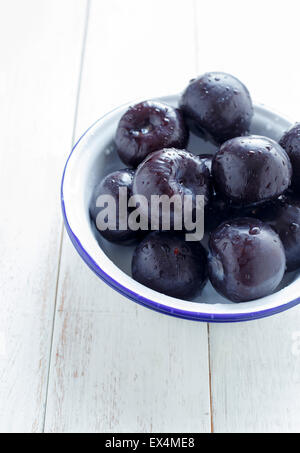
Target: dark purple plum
[291,143]
[166,263]
[219,105]
[148,127]
[246,260]
[251,169]
[110,186]
[284,216]
[172,172]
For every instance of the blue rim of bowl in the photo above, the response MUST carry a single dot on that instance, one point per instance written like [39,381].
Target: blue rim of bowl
[141,300]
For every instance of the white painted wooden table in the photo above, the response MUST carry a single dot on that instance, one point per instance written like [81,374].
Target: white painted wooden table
[74,355]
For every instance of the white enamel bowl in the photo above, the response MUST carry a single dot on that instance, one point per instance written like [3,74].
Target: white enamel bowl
[92,158]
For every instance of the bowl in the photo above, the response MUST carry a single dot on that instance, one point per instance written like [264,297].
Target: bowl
[93,157]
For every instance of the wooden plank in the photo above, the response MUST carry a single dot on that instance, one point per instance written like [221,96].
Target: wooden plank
[117,366]
[40,47]
[255,370]
[256,375]
[256,43]
[127,372]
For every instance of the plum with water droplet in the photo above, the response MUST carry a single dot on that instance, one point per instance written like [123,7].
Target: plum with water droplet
[110,185]
[147,127]
[168,264]
[246,260]
[172,172]
[218,105]
[284,216]
[291,143]
[251,169]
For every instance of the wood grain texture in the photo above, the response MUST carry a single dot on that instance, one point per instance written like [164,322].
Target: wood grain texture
[255,367]
[257,43]
[117,366]
[40,47]
[256,375]
[127,372]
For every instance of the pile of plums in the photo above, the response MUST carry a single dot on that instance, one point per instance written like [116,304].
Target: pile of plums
[250,187]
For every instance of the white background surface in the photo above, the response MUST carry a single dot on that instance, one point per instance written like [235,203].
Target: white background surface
[74,355]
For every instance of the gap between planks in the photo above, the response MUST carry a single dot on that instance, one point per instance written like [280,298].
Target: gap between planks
[196,44]
[84,40]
